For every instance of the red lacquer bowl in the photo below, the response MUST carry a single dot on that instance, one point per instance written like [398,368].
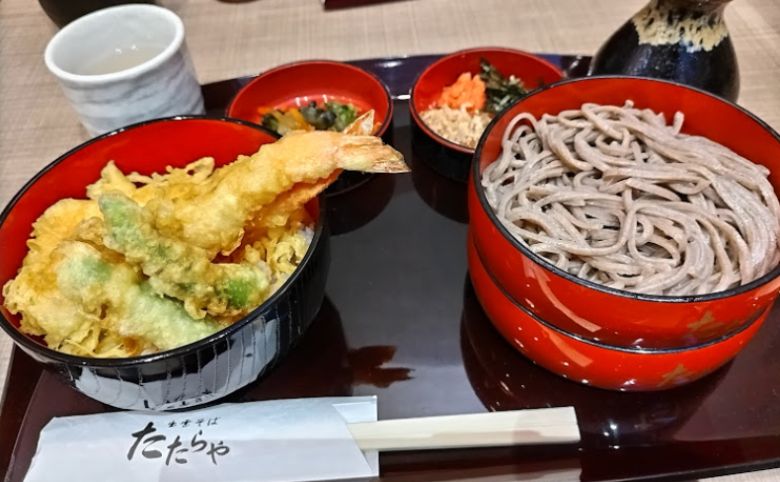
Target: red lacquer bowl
[532,70]
[207,369]
[607,315]
[315,80]
[298,83]
[446,157]
[593,363]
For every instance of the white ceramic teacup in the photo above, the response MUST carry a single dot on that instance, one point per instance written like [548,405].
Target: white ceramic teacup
[123,65]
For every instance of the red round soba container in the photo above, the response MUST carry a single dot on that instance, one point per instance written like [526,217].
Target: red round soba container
[606,315]
[594,363]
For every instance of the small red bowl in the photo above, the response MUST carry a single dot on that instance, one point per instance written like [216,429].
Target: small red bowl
[207,369]
[593,363]
[298,83]
[301,82]
[593,311]
[447,157]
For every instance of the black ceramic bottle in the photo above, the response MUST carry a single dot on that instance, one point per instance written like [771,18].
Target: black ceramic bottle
[682,40]
[62,12]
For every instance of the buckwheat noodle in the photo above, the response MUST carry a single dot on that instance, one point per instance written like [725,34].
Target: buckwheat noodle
[617,196]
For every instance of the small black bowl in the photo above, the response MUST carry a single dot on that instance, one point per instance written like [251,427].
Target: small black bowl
[207,369]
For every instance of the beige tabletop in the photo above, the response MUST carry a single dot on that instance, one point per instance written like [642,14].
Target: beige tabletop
[232,39]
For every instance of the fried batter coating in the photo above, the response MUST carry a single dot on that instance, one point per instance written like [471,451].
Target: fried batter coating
[33,292]
[115,294]
[86,303]
[213,214]
[173,183]
[150,263]
[178,269]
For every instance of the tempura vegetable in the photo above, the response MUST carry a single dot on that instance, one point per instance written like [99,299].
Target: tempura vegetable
[88,304]
[178,269]
[113,292]
[33,292]
[150,263]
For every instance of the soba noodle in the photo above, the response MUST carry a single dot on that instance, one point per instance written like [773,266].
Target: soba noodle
[617,196]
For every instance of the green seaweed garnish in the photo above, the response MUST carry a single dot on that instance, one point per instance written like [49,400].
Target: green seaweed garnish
[500,91]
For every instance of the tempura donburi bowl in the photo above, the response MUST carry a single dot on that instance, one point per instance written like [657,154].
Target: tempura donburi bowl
[199,372]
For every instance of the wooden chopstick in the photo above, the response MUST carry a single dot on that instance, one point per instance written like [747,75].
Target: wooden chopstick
[493,429]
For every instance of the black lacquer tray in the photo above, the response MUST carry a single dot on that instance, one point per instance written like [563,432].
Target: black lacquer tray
[401,321]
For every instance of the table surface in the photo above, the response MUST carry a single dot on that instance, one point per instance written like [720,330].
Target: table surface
[234,39]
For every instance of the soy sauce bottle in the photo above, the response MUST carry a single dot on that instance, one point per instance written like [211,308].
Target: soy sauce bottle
[62,12]
[681,40]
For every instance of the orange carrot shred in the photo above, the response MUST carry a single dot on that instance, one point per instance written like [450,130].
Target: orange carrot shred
[468,91]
